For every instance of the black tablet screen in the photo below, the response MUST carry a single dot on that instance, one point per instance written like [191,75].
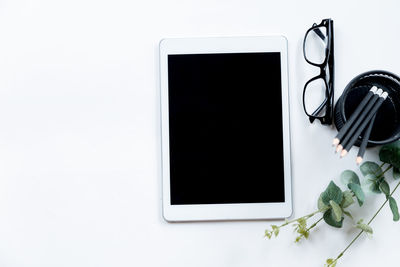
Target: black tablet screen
[225,128]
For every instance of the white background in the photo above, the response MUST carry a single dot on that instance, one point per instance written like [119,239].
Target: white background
[80,177]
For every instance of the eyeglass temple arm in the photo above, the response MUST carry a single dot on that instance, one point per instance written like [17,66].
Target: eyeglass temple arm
[318,32]
[319,109]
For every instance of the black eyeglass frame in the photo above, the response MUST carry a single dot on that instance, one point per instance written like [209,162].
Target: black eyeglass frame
[329,81]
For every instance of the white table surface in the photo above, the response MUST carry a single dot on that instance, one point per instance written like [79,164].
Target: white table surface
[80,177]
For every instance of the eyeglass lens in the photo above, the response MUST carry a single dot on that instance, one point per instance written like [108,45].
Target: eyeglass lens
[315,45]
[315,97]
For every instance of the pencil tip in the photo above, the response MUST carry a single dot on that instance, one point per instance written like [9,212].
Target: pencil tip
[344,152]
[339,148]
[335,142]
[359,160]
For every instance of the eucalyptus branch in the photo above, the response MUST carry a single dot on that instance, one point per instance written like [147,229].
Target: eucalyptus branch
[388,168]
[300,227]
[305,232]
[333,202]
[315,224]
[333,262]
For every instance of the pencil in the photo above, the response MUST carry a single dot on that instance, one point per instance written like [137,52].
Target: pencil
[354,137]
[354,116]
[352,126]
[364,142]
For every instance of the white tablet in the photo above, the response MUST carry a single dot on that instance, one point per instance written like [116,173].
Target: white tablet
[225,128]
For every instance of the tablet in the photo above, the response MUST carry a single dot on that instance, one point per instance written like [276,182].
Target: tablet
[225,128]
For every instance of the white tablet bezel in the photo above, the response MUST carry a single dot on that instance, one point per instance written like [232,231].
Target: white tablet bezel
[240,211]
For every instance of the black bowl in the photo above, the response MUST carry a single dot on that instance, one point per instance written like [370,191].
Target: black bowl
[386,127]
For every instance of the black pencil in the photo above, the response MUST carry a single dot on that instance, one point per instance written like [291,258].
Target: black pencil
[354,116]
[352,126]
[365,139]
[363,125]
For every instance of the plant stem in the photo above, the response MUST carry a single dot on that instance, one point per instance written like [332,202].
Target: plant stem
[398,184]
[349,245]
[304,217]
[388,168]
[373,217]
[315,224]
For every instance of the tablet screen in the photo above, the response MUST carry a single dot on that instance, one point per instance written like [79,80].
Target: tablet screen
[225,128]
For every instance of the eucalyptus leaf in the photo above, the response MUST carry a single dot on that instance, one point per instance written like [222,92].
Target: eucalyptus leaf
[348,214]
[396,173]
[367,183]
[365,227]
[347,199]
[330,263]
[370,167]
[394,208]
[384,187]
[390,153]
[321,206]
[371,177]
[275,230]
[332,192]
[371,183]
[268,234]
[302,222]
[328,218]
[349,176]
[337,211]
[358,192]
[375,185]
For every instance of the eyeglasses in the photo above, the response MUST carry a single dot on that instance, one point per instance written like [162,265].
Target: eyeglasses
[318,93]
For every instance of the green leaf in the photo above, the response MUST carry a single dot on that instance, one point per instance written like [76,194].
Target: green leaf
[393,207]
[390,153]
[337,211]
[371,177]
[366,184]
[384,187]
[268,234]
[374,183]
[347,199]
[302,222]
[396,173]
[321,206]
[275,230]
[328,218]
[330,263]
[332,192]
[365,227]
[358,192]
[370,167]
[348,214]
[301,229]
[349,176]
